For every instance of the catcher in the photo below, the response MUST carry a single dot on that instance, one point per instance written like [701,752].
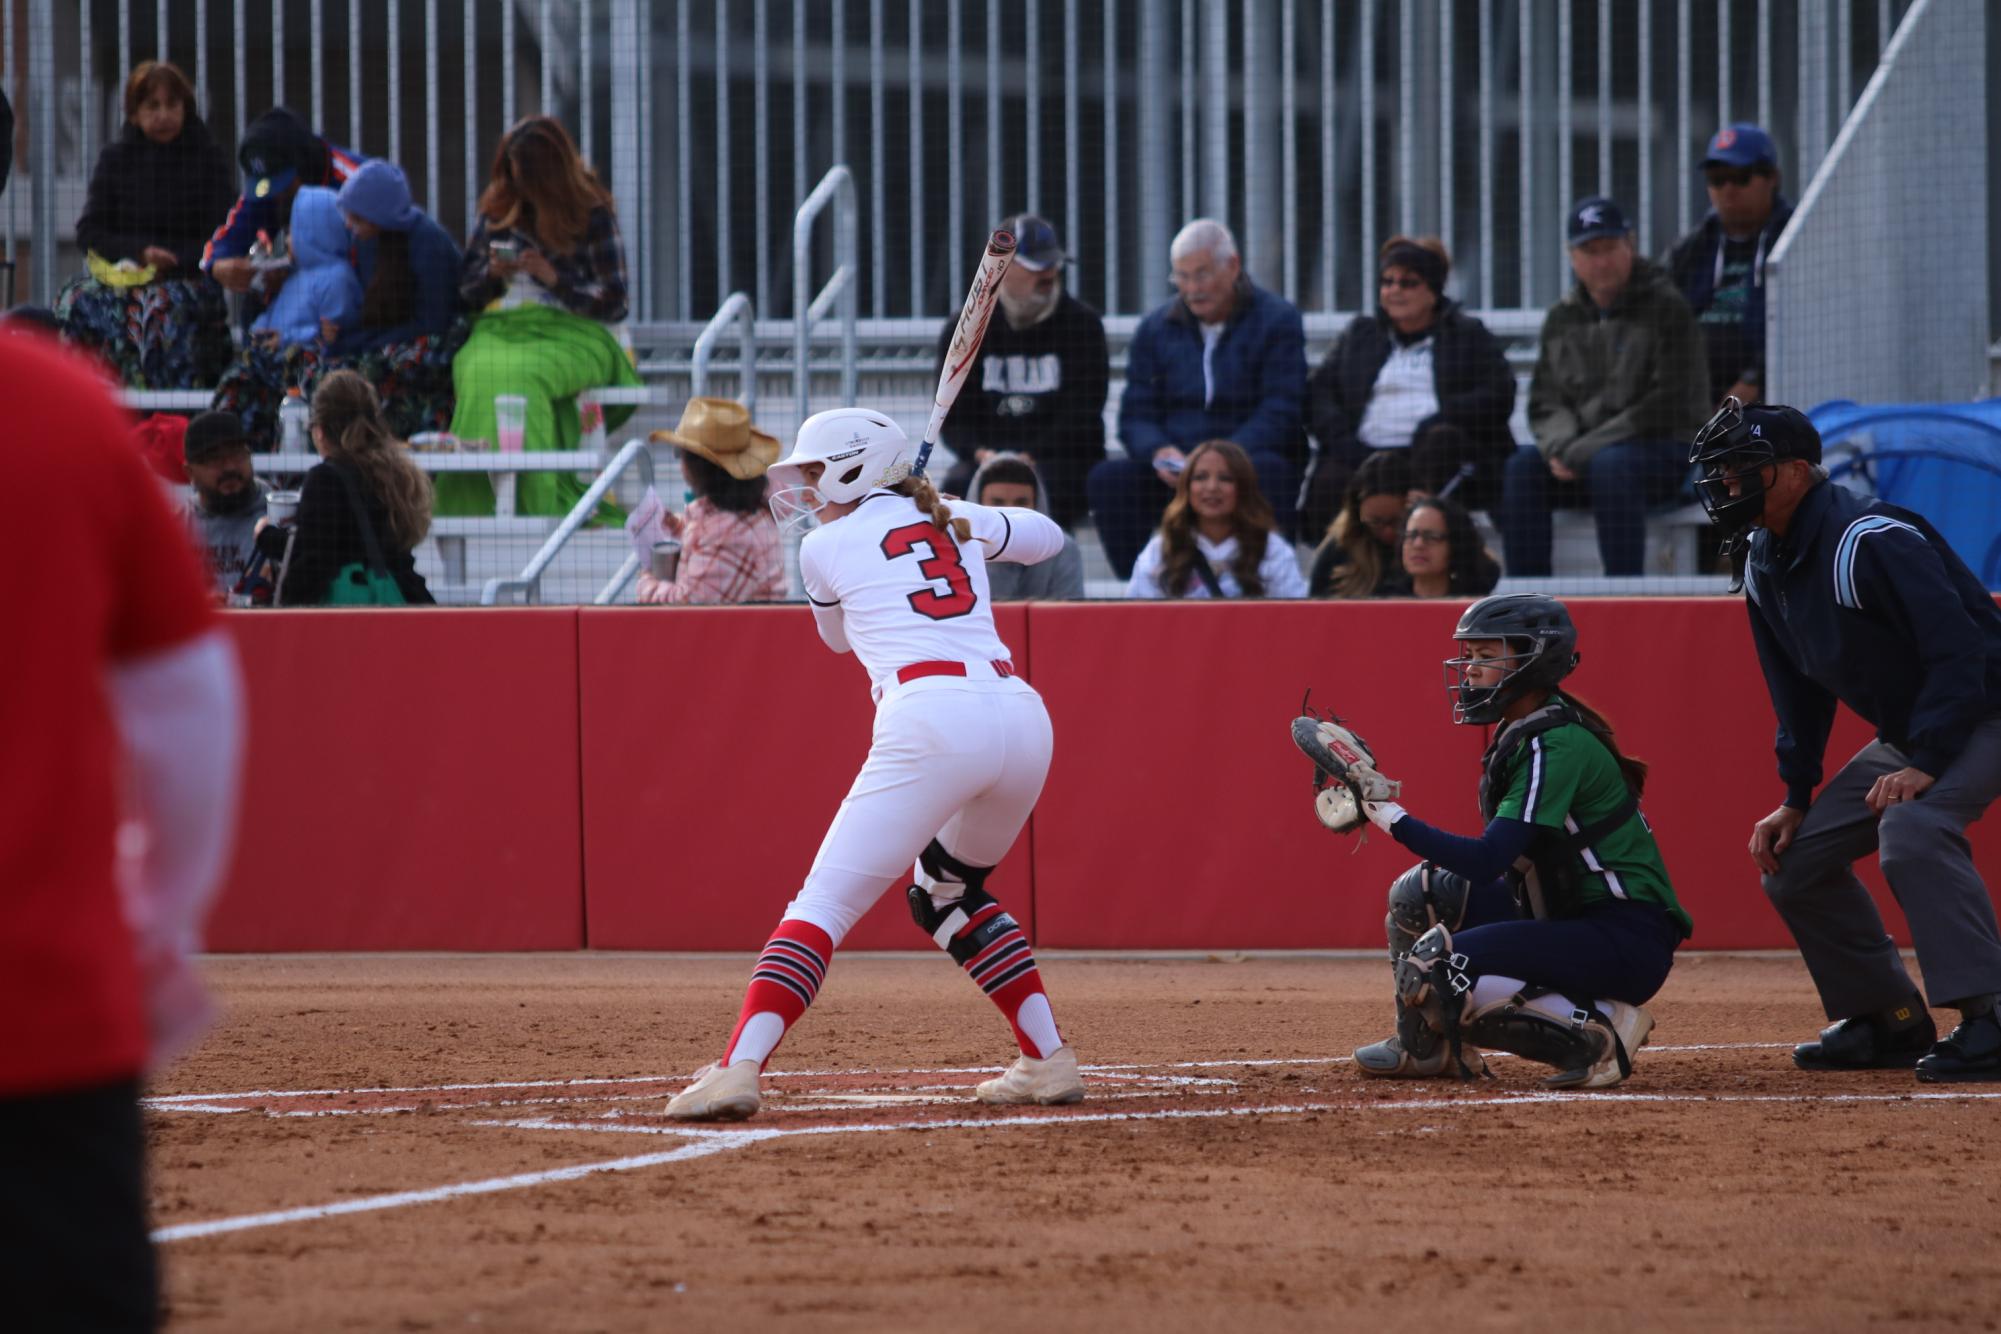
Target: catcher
[1545,935]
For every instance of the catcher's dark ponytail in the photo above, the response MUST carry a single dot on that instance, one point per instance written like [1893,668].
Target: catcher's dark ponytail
[926,495]
[1633,770]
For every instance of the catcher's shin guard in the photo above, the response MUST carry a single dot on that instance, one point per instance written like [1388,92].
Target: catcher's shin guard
[1590,1046]
[1433,986]
[985,940]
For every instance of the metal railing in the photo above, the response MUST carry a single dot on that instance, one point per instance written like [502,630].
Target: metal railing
[836,190]
[737,310]
[1315,127]
[634,454]
[1844,319]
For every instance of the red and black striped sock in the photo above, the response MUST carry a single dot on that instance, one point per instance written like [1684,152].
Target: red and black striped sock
[784,983]
[996,955]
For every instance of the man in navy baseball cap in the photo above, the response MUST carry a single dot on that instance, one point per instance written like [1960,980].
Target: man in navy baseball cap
[1596,217]
[1037,247]
[1720,266]
[1741,145]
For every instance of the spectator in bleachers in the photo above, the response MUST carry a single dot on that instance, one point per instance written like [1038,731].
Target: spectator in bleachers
[1620,381]
[279,153]
[730,550]
[1443,556]
[1218,537]
[321,297]
[1224,359]
[228,500]
[366,471]
[409,328]
[1006,480]
[545,269]
[1360,556]
[145,308]
[1720,266]
[410,279]
[1038,388]
[1420,372]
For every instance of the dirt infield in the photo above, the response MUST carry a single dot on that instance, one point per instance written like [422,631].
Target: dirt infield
[415,1143]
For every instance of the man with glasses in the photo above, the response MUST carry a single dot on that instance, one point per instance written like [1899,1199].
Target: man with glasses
[1223,360]
[1720,266]
[1619,383]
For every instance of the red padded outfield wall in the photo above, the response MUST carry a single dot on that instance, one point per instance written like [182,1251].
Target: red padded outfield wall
[660,779]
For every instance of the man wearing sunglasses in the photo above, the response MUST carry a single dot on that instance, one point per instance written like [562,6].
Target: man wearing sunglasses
[1720,266]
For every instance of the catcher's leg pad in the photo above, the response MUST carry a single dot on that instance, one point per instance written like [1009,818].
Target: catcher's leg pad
[1541,1026]
[1434,983]
[1425,896]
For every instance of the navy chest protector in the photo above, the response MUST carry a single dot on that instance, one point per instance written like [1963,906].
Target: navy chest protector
[1549,868]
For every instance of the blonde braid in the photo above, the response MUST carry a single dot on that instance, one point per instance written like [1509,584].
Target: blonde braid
[919,489]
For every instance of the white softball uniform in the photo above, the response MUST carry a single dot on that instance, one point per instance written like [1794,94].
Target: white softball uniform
[961,745]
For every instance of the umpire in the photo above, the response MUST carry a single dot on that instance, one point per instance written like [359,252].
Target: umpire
[1860,602]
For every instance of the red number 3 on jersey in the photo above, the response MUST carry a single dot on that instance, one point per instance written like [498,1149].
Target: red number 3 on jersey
[941,566]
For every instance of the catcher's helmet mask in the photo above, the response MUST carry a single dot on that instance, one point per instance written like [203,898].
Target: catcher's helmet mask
[1732,453]
[1542,651]
[1733,457]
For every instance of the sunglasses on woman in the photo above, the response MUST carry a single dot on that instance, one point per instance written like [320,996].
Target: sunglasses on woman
[1406,282]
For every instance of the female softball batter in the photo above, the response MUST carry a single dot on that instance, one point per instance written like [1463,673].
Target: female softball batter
[1551,962]
[961,747]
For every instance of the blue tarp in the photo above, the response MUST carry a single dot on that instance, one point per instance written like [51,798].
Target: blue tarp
[1941,459]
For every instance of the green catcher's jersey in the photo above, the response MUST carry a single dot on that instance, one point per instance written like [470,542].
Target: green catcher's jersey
[1565,779]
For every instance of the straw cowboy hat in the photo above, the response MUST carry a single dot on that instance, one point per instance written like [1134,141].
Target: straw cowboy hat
[719,430]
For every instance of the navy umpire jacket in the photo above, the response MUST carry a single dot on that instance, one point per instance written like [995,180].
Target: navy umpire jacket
[1864,603]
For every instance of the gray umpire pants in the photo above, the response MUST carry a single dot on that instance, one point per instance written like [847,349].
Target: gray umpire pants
[1926,859]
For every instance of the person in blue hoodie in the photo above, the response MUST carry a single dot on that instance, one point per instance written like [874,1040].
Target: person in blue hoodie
[410,277]
[322,296]
[1857,602]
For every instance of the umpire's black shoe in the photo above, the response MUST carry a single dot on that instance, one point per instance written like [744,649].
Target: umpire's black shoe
[1890,1039]
[1971,1053]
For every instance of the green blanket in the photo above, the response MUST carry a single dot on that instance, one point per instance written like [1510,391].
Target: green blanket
[548,356]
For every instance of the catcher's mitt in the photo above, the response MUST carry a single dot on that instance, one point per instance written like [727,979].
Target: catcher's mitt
[1344,770]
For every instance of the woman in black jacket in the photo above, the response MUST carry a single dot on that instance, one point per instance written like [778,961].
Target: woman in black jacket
[158,190]
[365,467]
[1418,374]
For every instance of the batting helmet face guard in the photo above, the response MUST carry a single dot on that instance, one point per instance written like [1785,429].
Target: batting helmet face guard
[1733,450]
[858,449]
[1541,651]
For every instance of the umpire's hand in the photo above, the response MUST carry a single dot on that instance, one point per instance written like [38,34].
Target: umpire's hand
[1773,835]
[1891,789]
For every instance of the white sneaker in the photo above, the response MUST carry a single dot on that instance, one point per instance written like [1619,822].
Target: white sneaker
[1049,1082]
[719,1093]
[1625,1031]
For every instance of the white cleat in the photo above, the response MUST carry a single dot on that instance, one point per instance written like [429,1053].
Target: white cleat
[719,1093]
[1049,1082]
[1625,1032]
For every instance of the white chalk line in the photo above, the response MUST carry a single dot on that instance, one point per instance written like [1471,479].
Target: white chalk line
[699,1148]
[170,1101]
[704,1142]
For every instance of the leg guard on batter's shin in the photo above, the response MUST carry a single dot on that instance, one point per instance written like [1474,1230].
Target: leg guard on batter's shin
[1433,983]
[985,940]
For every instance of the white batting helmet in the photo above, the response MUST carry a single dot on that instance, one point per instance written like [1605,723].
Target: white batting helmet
[861,448]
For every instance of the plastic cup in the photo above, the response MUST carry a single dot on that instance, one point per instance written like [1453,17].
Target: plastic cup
[510,421]
[282,506]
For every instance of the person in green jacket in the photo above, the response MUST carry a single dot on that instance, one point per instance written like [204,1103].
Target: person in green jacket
[1620,378]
